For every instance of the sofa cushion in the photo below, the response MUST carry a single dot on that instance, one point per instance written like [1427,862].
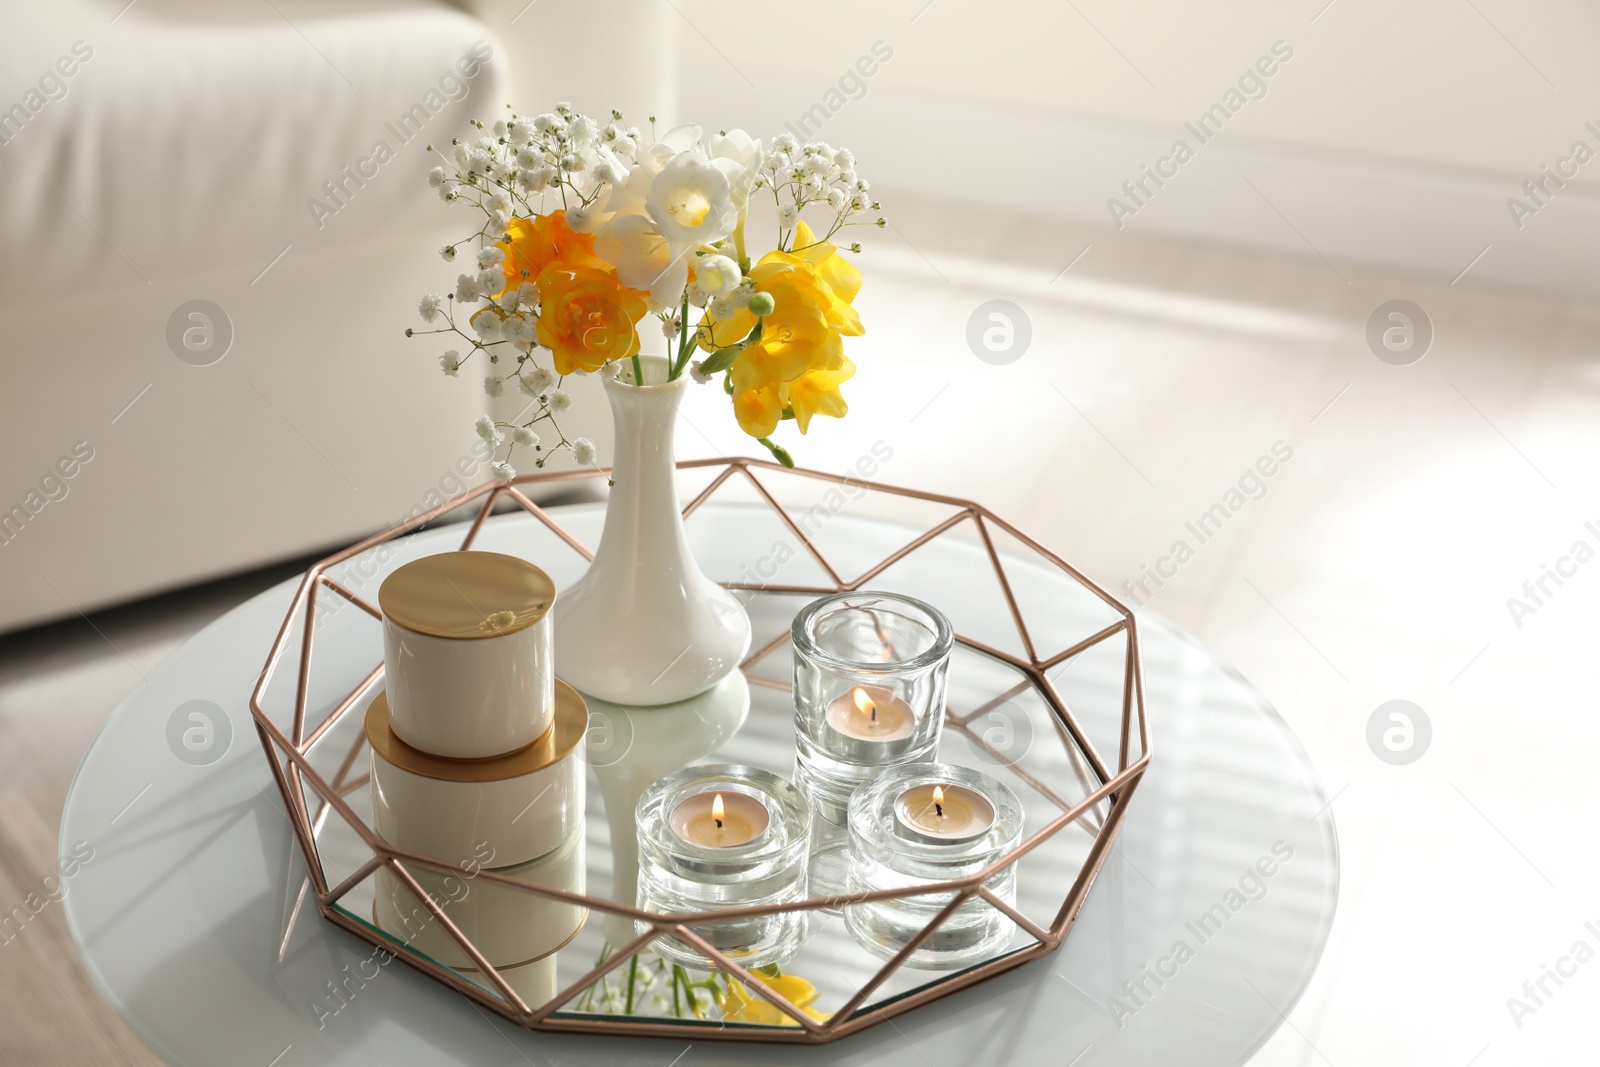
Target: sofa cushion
[173,139]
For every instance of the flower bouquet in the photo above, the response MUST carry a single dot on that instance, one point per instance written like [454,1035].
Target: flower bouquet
[588,229]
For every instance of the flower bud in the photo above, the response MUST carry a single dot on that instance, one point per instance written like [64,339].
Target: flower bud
[761,304]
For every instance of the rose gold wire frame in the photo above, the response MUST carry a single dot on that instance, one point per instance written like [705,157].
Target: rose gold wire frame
[1118,788]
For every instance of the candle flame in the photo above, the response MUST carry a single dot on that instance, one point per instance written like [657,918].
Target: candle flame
[938,801]
[717,810]
[864,703]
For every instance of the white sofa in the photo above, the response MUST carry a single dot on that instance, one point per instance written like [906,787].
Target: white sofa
[165,153]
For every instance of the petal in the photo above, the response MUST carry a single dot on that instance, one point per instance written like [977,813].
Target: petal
[758,411]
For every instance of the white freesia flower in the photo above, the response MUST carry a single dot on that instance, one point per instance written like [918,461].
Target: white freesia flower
[717,274]
[644,258]
[488,430]
[429,307]
[691,202]
[670,205]
[739,156]
[523,436]
[583,451]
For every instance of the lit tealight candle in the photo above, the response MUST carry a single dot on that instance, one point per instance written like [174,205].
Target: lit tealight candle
[870,724]
[715,819]
[942,814]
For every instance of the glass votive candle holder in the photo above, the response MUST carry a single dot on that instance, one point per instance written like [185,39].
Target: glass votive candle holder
[869,691]
[931,822]
[722,837]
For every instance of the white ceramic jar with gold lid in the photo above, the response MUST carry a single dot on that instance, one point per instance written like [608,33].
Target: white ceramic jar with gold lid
[469,663]
[496,812]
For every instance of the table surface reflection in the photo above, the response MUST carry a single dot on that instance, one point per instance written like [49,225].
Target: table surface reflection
[1200,934]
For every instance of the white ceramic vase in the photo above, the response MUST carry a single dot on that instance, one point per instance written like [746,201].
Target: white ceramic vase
[644,626]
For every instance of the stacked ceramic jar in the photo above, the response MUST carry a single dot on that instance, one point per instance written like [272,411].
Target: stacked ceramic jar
[477,762]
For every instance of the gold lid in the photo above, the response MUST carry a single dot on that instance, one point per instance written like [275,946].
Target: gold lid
[466,595]
[570,723]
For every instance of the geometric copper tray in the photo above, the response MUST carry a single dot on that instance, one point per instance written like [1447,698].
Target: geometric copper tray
[1097,808]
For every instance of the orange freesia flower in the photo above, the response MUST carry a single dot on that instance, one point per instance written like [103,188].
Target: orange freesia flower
[587,317]
[538,242]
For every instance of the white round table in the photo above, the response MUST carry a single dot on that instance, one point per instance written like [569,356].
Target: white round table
[1199,936]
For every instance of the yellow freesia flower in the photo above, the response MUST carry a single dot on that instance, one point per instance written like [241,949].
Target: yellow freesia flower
[798,360]
[817,393]
[739,1005]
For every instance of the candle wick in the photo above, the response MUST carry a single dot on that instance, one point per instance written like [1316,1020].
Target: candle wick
[874,713]
[938,809]
[718,822]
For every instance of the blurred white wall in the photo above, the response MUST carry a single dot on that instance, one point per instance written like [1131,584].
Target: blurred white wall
[1394,136]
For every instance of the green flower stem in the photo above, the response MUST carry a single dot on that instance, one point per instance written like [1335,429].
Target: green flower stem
[683,338]
[778,452]
[638,370]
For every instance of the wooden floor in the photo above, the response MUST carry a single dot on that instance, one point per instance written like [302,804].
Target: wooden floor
[1374,563]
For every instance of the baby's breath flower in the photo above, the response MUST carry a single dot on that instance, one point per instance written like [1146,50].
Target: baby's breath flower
[447,253]
[429,307]
[697,372]
[436,177]
[502,470]
[494,386]
[488,430]
[450,362]
[583,451]
[560,400]
[525,437]
[487,324]
[536,381]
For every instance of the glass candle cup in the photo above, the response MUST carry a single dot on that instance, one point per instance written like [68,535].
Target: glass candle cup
[869,691]
[931,822]
[722,837]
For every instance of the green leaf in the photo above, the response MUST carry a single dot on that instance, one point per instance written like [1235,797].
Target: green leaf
[721,359]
